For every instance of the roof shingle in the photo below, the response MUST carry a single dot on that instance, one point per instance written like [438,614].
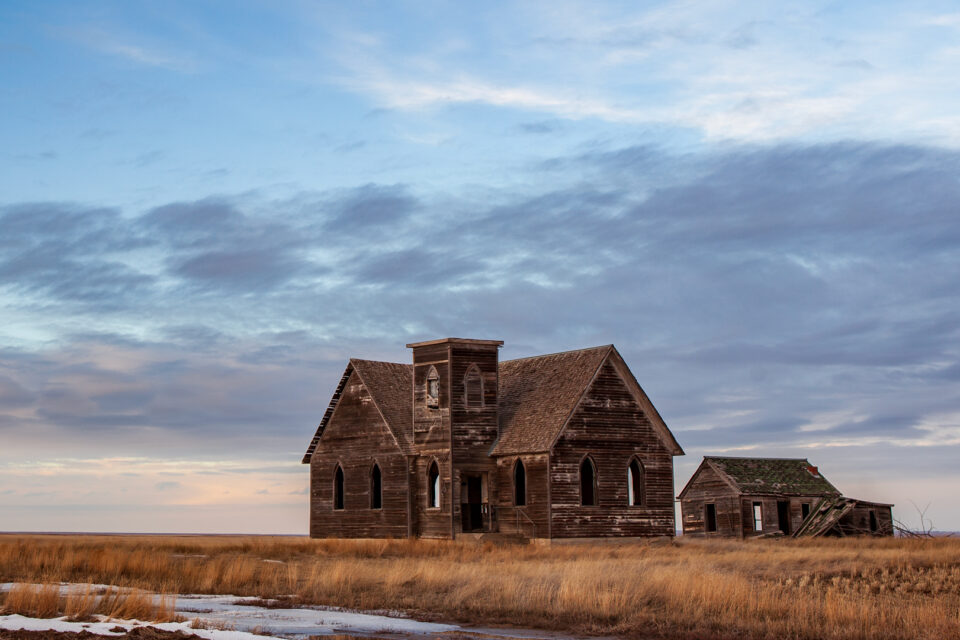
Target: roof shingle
[538,394]
[793,476]
[390,384]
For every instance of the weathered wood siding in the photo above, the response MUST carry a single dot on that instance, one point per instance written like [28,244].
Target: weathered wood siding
[857,522]
[709,488]
[611,427]
[473,428]
[357,437]
[537,467]
[431,438]
[771,518]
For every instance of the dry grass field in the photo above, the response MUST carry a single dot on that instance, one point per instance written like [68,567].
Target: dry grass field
[811,589]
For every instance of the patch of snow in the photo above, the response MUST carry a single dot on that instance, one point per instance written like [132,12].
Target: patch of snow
[103,627]
[232,618]
[306,621]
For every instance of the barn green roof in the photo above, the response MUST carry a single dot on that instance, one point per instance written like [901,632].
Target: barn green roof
[794,476]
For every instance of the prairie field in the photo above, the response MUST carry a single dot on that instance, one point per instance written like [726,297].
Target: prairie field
[809,589]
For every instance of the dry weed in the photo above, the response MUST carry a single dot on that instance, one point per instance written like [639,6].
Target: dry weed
[890,589]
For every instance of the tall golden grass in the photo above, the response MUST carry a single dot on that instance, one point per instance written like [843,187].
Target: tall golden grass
[81,602]
[812,589]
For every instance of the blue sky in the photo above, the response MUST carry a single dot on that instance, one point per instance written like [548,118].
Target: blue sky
[206,208]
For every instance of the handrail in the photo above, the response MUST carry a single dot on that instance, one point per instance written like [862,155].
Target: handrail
[521,512]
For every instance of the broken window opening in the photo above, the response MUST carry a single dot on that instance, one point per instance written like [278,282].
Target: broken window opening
[588,483]
[710,517]
[757,516]
[338,488]
[376,488]
[519,484]
[433,486]
[636,487]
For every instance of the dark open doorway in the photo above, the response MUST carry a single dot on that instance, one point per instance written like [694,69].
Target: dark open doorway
[471,503]
[783,516]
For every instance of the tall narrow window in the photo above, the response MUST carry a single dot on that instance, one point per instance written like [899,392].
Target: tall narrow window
[519,484]
[874,525]
[805,510]
[433,388]
[338,488]
[433,486]
[376,488]
[757,516]
[710,517]
[635,484]
[473,387]
[588,482]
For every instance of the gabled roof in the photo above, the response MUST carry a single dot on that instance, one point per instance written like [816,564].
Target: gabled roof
[782,476]
[538,395]
[390,385]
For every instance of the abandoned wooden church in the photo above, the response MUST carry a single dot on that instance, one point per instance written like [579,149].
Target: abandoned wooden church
[458,443]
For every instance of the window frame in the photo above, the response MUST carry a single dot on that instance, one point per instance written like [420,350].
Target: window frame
[473,377]
[758,517]
[376,487]
[522,468]
[433,399]
[641,479]
[588,459]
[710,525]
[339,501]
[434,486]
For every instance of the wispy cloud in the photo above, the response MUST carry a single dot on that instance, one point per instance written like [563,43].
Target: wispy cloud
[133,49]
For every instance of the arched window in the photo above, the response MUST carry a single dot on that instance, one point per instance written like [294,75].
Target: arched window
[588,482]
[519,484]
[376,488]
[636,487]
[433,486]
[433,387]
[473,387]
[338,488]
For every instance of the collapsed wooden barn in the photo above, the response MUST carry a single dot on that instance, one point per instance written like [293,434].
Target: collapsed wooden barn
[748,497]
[560,446]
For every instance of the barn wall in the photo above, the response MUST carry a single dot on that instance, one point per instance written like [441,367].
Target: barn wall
[708,487]
[611,427]
[771,521]
[537,467]
[857,521]
[357,436]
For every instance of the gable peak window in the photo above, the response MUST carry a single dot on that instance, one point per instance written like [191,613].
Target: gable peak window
[588,482]
[376,487]
[519,484]
[338,488]
[636,487]
[433,486]
[433,388]
[473,387]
